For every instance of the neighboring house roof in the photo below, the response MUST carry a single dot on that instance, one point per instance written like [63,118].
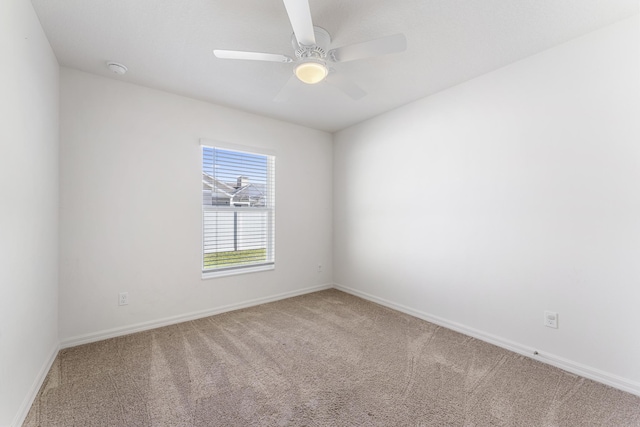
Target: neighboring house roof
[213,184]
[252,194]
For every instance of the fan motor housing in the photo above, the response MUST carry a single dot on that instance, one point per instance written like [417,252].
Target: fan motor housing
[319,50]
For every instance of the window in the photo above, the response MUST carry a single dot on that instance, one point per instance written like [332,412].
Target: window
[238,211]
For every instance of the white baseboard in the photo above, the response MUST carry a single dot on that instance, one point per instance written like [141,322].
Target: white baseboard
[35,388]
[144,326]
[559,362]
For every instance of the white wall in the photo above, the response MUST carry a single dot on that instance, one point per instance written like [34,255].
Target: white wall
[514,193]
[29,213]
[130,179]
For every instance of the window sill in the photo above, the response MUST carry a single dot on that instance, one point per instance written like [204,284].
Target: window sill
[223,273]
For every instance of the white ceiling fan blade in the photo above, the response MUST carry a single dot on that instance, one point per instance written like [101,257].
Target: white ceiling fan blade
[253,56]
[346,85]
[288,90]
[383,46]
[301,22]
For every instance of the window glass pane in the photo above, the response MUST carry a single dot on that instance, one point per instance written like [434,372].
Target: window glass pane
[238,209]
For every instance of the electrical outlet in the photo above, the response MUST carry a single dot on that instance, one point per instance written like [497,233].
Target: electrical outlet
[319,268]
[551,319]
[123,298]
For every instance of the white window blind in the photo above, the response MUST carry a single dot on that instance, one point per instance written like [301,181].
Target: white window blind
[238,210]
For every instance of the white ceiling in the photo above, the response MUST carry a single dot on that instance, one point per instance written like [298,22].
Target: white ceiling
[167,44]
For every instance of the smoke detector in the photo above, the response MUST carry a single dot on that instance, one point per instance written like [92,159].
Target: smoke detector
[117,68]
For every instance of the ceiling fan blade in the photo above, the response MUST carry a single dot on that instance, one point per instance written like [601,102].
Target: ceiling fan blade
[301,22]
[288,90]
[346,85]
[382,46]
[253,56]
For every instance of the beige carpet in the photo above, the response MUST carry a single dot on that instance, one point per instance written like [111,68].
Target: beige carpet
[323,359]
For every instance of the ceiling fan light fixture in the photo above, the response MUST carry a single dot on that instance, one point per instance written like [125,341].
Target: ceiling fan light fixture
[311,72]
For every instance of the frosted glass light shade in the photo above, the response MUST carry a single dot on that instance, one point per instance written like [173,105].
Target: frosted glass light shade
[311,72]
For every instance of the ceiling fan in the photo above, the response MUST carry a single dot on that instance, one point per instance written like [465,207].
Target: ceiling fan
[311,46]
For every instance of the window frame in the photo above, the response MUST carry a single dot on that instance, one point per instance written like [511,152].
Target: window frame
[270,209]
